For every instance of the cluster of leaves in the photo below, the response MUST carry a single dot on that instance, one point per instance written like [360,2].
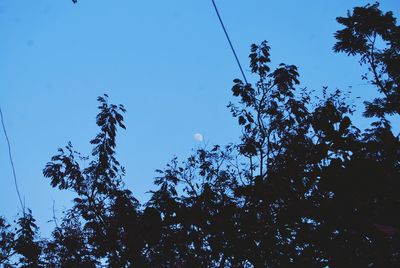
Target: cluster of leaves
[375,37]
[303,188]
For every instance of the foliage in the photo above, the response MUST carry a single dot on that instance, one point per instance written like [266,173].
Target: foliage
[374,36]
[26,242]
[6,243]
[303,188]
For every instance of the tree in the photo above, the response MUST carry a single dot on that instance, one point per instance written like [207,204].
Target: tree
[6,243]
[27,245]
[374,36]
[304,187]
[107,211]
[254,204]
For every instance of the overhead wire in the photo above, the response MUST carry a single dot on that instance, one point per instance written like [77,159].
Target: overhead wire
[12,162]
[229,40]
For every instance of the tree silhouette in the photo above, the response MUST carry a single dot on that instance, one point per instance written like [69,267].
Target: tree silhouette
[26,242]
[304,187]
[7,238]
[374,36]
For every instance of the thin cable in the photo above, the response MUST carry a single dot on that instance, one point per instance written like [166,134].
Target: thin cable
[12,163]
[229,40]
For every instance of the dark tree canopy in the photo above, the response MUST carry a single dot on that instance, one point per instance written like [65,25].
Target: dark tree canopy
[304,187]
[375,37]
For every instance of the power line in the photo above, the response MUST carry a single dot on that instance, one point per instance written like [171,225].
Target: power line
[229,40]
[12,163]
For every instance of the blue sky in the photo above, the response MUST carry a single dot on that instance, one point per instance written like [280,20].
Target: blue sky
[168,62]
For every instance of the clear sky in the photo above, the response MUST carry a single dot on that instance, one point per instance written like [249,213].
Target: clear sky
[168,62]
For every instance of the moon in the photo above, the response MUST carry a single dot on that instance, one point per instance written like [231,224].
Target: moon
[198,137]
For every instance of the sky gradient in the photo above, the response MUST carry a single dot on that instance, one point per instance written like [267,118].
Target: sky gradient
[168,62]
